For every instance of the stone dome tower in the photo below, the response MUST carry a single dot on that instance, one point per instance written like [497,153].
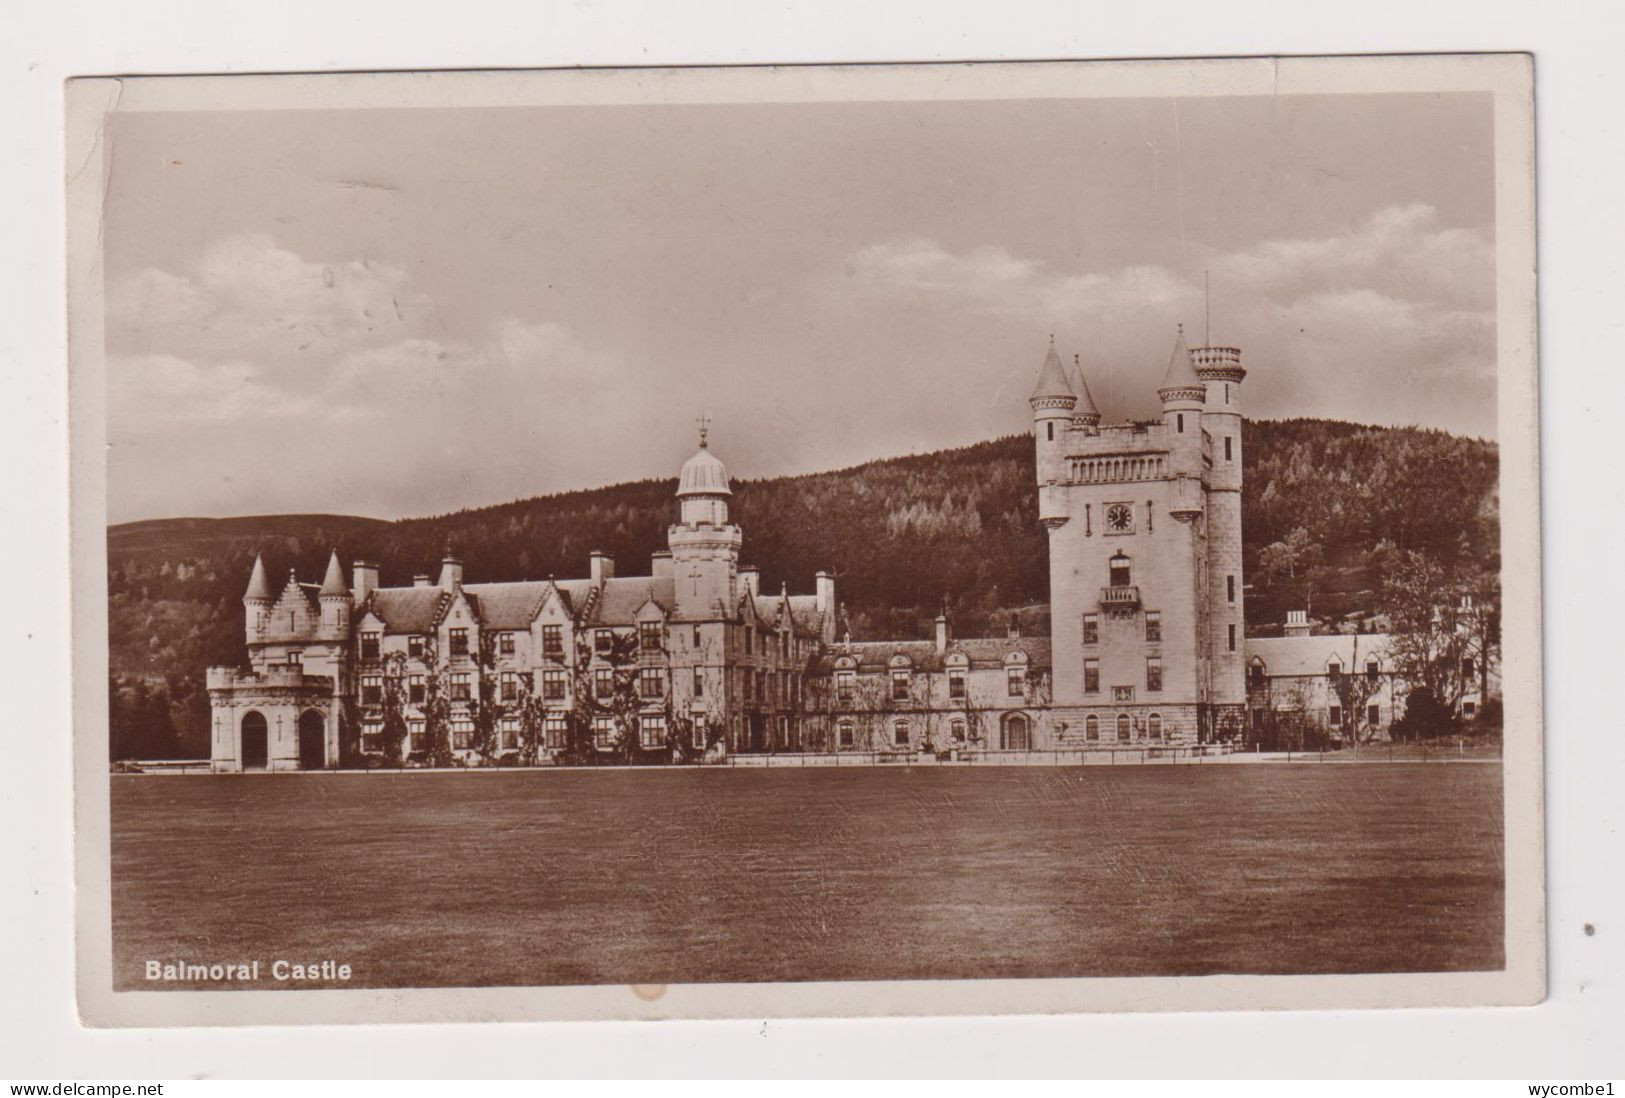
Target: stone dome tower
[704,544]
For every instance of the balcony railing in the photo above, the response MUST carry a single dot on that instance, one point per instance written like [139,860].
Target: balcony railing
[1120,596]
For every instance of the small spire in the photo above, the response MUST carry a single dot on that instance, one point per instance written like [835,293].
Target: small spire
[1085,409]
[1052,382]
[333,583]
[1181,371]
[259,584]
[704,420]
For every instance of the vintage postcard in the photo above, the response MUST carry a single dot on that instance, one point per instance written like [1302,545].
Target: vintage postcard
[805,541]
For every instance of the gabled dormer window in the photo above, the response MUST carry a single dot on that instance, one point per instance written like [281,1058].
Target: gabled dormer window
[369,646]
[459,642]
[651,635]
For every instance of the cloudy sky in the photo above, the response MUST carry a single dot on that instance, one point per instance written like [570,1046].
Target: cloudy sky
[398,313]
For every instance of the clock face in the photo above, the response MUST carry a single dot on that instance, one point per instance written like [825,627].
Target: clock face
[1119,518]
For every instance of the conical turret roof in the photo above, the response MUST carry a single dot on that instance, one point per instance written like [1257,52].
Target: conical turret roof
[259,584]
[1181,371]
[1086,402]
[333,582]
[1052,383]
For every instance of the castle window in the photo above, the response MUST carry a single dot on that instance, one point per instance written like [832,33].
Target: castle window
[1373,670]
[750,639]
[699,682]
[1232,638]
[462,733]
[295,658]
[1091,629]
[414,646]
[1227,452]
[372,736]
[1258,675]
[459,687]
[1050,428]
[510,733]
[899,731]
[843,733]
[603,731]
[369,646]
[845,684]
[1153,674]
[1180,421]
[956,683]
[1015,681]
[603,682]
[553,641]
[653,728]
[603,642]
[1121,574]
[1122,727]
[417,737]
[1227,392]
[1334,716]
[556,729]
[1091,676]
[1468,669]
[651,635]
[1153,626]
[899,685]
[784,643]
[1091,728]
[372,690]
[1334,670]
[553,685]
[651,682]
[956,729]
[459,642]
[510,686]
[1154,723]
[1469,710]
[505,644]
[1373,715]
[415,690]
[1230,588]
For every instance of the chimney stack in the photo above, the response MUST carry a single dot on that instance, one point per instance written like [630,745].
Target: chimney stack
[942,632]
[365,574]
[825,597]
[422,580]
[602,567]
[1297,624]
[660,564]
[451,573]
[752,577]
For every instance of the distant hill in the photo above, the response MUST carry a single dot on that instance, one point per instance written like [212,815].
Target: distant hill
[901,535]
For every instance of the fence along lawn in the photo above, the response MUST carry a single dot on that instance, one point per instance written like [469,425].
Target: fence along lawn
[651,877]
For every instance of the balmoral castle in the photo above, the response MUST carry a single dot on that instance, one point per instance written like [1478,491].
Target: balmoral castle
[692,661]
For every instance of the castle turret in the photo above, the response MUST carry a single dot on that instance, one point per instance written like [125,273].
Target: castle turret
[334,598]
[704,544]
[257,600]
[1220,369]
[1182,393]
[1052,403]
[1085,415]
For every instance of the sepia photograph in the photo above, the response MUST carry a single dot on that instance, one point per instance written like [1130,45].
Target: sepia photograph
[870,540]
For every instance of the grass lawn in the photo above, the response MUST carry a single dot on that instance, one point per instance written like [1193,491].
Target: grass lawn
[675,876]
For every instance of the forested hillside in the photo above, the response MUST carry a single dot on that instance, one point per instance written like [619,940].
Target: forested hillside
[901,535]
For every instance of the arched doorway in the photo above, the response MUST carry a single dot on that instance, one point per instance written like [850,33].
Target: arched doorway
[312,740]
[1016,733]
[256,744]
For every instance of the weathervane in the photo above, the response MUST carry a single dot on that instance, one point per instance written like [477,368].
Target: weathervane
[704,420]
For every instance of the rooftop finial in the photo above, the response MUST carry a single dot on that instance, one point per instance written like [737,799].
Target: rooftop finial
[704,420]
